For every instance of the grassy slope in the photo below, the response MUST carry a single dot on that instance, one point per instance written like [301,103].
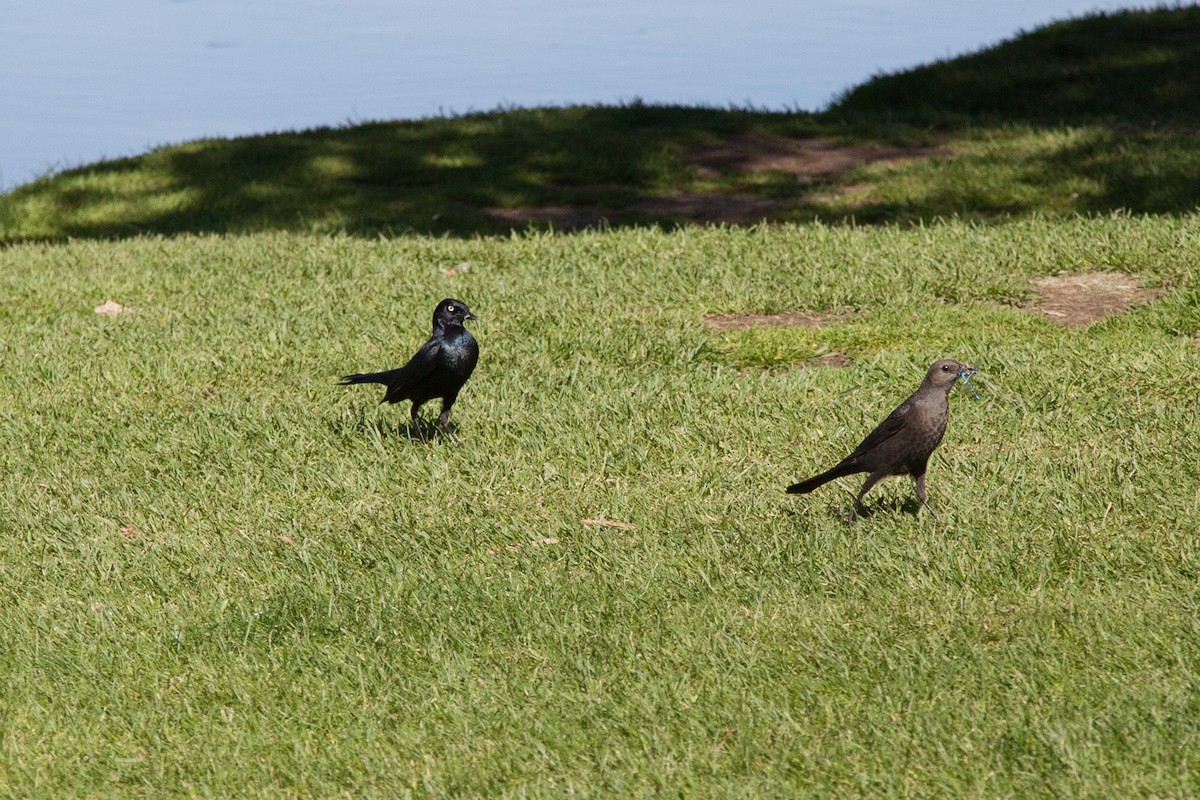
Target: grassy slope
[309,602]
[1135,67]
[224,576]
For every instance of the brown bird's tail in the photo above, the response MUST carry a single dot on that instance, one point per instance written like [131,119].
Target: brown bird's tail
[804,487]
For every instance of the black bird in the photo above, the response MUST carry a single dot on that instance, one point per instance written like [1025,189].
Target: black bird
[439,369]
[902,443]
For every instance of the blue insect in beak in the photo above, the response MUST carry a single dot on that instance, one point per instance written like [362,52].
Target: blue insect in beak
[965,377]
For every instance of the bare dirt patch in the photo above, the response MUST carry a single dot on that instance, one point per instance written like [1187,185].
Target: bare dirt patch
[831,360]
[787,319]
[711,207]
[808,159]
[738,208]
[111,308]
[558,216]
[1080,300]
[811,161]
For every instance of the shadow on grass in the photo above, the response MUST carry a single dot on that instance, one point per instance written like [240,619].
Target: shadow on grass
[440,176]
[885,506]
[890,505]
[1123,76]
[1053,172]
[358,425]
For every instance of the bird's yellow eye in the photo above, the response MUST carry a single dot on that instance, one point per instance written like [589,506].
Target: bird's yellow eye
[451,308]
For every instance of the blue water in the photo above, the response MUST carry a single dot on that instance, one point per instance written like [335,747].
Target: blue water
[82,81]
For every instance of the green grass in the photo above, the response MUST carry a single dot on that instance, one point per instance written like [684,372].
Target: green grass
[1132,67]
[306,602]
[1011,171]
[223,575]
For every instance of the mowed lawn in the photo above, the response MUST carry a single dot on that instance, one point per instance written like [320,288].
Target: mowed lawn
[223,575]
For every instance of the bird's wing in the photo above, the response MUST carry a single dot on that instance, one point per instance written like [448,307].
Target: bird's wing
[884,430]
[418,368]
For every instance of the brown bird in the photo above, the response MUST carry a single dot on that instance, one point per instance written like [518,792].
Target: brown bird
[902,443]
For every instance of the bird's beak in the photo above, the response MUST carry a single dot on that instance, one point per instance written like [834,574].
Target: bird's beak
[470,316]
[967,371]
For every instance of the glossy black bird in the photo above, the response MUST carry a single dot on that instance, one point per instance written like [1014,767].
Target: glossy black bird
[902,443]
[439,369]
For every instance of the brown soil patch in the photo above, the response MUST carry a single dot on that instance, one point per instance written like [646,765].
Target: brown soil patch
[698,207]
[831,360]
[1082,299]
[811,160]
[558,216]
[788,319]
[808,159]
[710,207]
[111,308]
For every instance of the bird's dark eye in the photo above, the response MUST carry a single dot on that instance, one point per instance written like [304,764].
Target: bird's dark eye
[945,367]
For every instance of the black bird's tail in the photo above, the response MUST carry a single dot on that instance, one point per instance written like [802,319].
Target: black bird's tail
[386,378]
[804,487]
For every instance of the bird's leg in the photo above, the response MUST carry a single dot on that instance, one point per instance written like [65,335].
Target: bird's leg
[416,421]
[866,487]
[920,480]
[444,422]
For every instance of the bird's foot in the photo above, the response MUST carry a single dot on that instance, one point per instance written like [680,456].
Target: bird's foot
[444,424]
